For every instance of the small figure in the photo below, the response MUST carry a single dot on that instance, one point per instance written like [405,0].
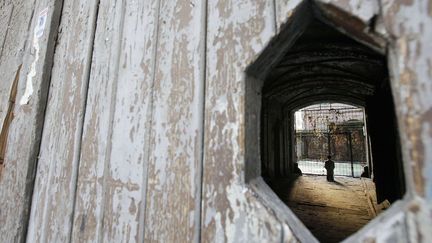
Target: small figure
[296,169]
[365,172]
[329,165]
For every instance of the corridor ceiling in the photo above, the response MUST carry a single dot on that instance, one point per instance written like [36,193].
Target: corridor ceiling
[325,65]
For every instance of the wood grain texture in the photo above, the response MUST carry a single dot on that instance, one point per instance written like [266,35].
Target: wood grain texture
[411,74]
[126,174]
[174,179]
[237,32]
[54,190]
[23,139]
[111,187]
[96,139]
[5,18]
[16,27]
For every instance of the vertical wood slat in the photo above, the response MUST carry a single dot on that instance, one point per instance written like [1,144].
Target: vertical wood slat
[237,31]
[54,191]
[23,140]
[127,171]
[10,60]
[15,25]
[96,136]
[410,65]
[10,214]
[112,177]
[5,18]
[173,194]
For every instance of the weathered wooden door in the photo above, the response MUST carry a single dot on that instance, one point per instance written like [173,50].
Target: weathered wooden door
[129,119]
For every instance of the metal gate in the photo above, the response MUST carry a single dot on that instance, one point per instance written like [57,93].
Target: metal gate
[331,129]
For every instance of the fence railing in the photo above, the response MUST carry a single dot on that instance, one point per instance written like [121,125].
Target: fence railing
[342,168]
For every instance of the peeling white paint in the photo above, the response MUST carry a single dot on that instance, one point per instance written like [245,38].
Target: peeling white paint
[29,84]
[38,32]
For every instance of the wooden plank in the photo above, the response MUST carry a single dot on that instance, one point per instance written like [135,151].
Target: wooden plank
[54,192]
[5,18]
[97,125]
[16,21]
[174,179]
[126,174]
[111,187]
[237,32]
[410,67]
[23,139]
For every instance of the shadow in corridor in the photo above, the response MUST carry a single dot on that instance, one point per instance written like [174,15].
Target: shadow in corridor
[332,211]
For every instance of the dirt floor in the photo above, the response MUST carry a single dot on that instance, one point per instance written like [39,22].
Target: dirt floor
[332,211]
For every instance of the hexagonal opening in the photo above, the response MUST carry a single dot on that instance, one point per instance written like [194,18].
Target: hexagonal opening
[312,63]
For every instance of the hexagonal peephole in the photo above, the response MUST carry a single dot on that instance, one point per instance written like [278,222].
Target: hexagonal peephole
[321,120]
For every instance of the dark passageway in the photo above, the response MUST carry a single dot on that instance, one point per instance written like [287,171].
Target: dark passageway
[326,66]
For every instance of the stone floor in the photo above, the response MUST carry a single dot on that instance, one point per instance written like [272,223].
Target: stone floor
[330,210]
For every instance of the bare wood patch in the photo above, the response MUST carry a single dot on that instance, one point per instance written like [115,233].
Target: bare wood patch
[7,121]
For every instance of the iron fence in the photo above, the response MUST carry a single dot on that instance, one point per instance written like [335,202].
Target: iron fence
[331,129]
[342,168]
